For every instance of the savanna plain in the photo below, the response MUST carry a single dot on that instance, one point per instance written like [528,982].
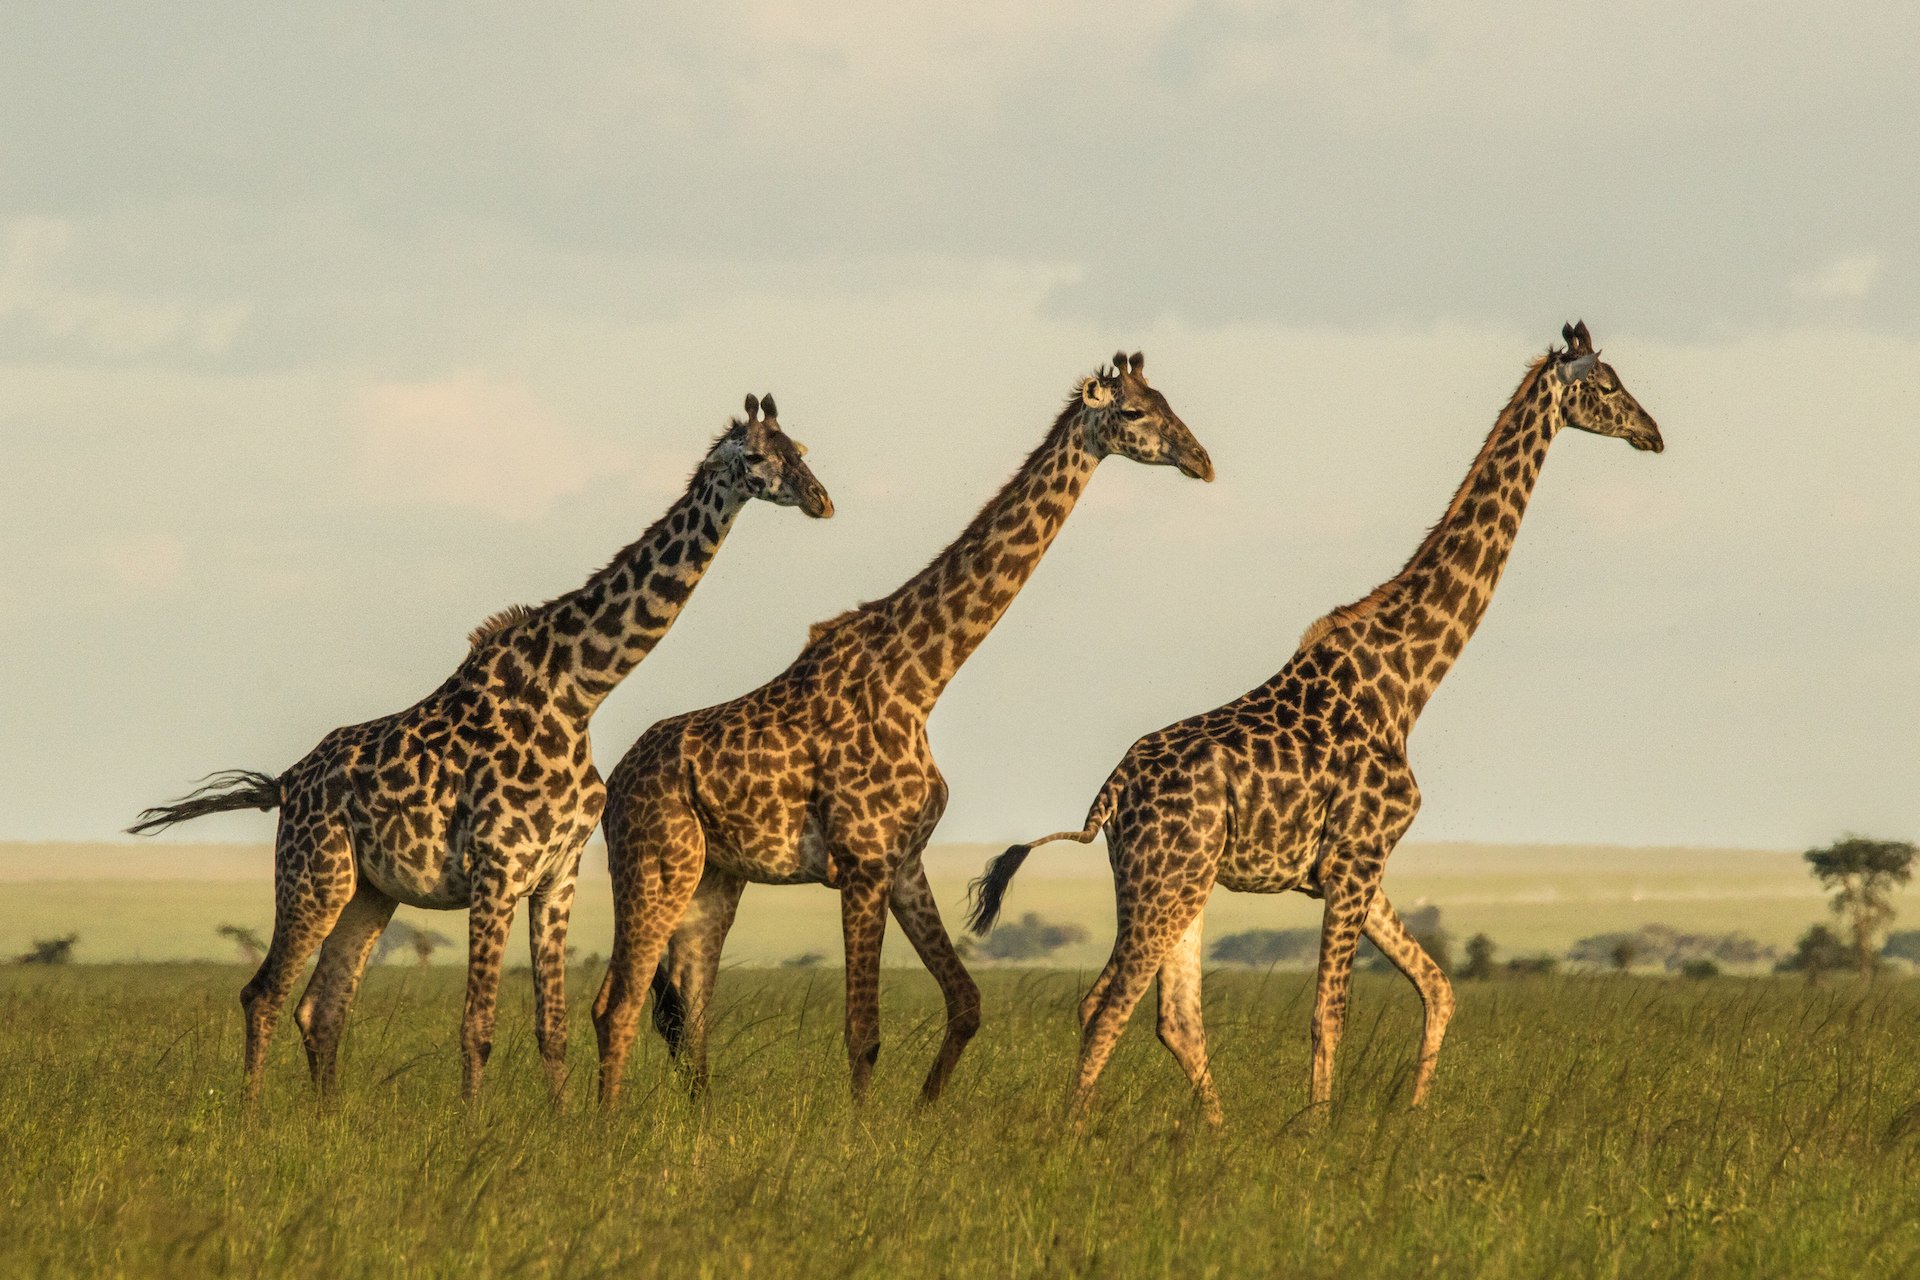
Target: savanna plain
[1580,1126]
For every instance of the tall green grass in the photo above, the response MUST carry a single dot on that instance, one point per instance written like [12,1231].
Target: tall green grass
[1605,1127]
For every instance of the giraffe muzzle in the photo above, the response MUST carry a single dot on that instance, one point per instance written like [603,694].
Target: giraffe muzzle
[1195,463]
[817,504]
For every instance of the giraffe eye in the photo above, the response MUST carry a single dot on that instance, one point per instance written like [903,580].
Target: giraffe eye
[1133,415]
[754,459]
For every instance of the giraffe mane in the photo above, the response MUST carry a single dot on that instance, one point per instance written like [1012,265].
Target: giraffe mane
[819,630]
[512,615]
[1346,614]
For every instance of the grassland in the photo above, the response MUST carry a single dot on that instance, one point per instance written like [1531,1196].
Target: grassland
[1622,1127]
[159,901]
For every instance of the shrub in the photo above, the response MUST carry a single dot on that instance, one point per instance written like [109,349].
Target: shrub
[1030,938]
[1265,948]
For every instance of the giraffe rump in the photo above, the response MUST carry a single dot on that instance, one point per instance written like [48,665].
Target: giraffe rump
[217,793]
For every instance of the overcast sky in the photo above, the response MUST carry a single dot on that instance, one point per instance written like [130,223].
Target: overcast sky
[326,332]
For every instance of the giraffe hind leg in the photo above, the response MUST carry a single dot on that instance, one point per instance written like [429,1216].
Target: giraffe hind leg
[684,981]
[313,882]
[1181,1029]
[321,1014]
[656,856]
[1147,932]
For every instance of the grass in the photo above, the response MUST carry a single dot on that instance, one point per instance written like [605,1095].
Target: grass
[1580,1127]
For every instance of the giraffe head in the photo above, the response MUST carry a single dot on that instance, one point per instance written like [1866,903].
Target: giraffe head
[1121,414]
[1591,397]
[760,460]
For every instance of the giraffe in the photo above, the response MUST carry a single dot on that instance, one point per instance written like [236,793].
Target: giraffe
[1303,783]
[824,775]
[484,792]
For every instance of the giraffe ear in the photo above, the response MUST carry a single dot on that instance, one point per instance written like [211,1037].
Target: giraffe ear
[753,408]
[1095,393]
[766,407]
[1577,368]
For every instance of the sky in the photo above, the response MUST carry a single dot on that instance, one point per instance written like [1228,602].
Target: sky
[326,332]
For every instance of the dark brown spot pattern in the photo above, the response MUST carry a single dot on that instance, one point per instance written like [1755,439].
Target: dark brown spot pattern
[1303,784]
[825,774]
[484,792]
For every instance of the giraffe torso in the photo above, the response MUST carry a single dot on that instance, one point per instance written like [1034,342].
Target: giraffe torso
[824,757]
[478,779]
[1262,779]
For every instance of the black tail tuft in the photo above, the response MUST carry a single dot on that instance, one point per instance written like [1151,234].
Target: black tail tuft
[669,1011]
[984,894]
[218,793]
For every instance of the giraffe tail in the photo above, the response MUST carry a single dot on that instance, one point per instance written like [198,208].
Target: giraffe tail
[218,793]
[985,894]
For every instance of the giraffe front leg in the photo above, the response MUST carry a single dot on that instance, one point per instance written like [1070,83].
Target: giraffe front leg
[322,1012]
[1388,932]
[489,919]
[1346,911]
[919,916]
[863,926]
[548,910]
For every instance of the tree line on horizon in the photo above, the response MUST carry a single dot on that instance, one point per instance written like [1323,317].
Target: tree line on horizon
[1860,874]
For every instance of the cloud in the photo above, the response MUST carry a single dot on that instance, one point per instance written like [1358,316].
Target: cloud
[1847,279]
[471,442]
[36,260]
[141,563]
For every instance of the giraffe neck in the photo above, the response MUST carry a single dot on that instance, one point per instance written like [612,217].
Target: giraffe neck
[582,644]
[932,624]
[1417,623]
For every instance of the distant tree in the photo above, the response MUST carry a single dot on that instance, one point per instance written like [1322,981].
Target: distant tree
[1030,938]
[51,950]
[1699,967]
[252,947]
[1819,951]
[1265,948]
[412,937]
[805,960]
[1479,964]
[1904,945]
[1532,966]
[1862,875]
[425,942]
[1668,947]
